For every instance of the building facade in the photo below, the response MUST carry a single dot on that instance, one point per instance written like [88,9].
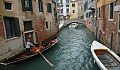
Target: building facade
[63,7]
[74,8]
[80,9]
[108,23]
[21,20]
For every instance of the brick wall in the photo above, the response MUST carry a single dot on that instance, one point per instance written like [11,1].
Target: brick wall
[88,23]
[2,36]
[108,26]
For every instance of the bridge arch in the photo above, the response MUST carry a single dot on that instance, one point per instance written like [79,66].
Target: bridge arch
[78,20]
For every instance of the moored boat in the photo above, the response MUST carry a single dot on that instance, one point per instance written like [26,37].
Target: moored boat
[24,57]
[105,58]
[73,25]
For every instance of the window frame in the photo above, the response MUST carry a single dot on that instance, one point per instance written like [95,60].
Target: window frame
[30,5]
[99,10]
[110,12]
[49,7]
[50,24]
[73,4]
[40,2]
[11,6]
[16,28]
[46,26]
[73,11]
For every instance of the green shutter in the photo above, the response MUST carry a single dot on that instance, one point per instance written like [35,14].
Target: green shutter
[49,7]
[40,7]
[17,27]
[23,5]
[30,5]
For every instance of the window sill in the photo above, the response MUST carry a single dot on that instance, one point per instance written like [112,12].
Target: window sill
[29,31]
[8,10]
[47,29]
[110,19]
[12,39]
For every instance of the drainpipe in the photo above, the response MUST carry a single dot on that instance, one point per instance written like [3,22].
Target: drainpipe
[96,20]
[23,39]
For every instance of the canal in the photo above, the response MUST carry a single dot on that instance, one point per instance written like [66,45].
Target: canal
[72,52]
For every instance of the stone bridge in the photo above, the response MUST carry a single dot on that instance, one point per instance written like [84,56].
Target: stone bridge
[78,20]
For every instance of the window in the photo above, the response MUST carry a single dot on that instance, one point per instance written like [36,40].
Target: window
[86,14]
[61,1]
[67,10]
[111,10]
[50,24]
[28,25]
[89,14]
[98,12]
[61,10]
[67,1]
[40,6]
[47,25]
[12,27]
[67,5]
[119,21]
[73,11]
[55,13]
[8,6]
[73,4]
[49,7]
[27,5]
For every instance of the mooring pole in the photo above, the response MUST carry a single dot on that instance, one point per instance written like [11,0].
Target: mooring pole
[99,35]
[111,40]
[96,20]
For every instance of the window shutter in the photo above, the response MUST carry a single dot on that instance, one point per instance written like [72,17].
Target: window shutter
[40,7]
[7,27]
[23,5]
[48,7]
[30,4]
[17,27]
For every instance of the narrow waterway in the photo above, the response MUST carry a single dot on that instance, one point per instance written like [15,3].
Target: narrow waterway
[72,52]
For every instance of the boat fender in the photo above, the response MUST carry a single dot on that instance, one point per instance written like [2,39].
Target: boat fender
[94,61]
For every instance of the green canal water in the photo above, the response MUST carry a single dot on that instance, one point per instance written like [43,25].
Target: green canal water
[72,52]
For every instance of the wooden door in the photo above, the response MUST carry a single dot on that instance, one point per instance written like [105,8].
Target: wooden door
[29,36]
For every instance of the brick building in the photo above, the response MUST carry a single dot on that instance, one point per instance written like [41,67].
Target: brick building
[23,19]
[108,23]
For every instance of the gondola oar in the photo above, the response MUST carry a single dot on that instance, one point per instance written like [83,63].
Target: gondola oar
[45,59]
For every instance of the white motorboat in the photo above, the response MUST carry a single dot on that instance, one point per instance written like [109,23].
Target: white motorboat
[105,58]
[73,25]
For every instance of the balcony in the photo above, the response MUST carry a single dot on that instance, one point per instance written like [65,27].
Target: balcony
[60,8]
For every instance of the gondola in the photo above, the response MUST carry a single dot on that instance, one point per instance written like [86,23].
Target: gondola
[23,57]
[105,58]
